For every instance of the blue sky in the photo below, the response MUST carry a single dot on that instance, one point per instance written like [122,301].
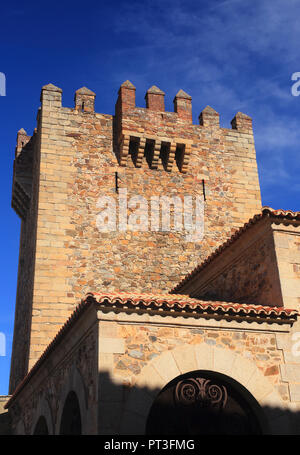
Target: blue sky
[234,55]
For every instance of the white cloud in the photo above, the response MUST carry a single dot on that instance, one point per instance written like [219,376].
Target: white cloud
[234,55]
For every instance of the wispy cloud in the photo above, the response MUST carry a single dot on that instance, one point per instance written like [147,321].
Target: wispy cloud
[233,55]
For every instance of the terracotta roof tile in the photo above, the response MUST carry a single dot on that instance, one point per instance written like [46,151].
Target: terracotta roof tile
[184,302]
[280,213]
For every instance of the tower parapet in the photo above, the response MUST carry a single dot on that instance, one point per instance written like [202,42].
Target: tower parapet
[126,98]
[155,99]
[209,118]
[22,177]
[151,134]
[242,122]
[85,100]
[51,96]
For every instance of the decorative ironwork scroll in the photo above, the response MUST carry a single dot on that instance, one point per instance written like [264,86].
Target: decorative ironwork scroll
[200,391]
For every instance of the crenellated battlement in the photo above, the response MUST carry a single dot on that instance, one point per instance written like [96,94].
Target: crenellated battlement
[182,115]
[164,138]
[153,114]
[22,178]
[160,138]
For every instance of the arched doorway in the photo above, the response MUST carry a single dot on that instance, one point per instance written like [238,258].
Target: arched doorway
[71,417]
[204,402]
[41,427]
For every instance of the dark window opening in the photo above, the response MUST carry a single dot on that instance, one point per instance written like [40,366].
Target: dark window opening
[149,151]
[204,402]
[133,149]
[164,154]
[71,418]
[179,155]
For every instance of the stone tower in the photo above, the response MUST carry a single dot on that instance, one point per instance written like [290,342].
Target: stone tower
[74,157]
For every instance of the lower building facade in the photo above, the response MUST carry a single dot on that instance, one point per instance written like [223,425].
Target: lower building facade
[165,364]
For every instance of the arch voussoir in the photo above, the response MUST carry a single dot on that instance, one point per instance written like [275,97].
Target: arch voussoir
[183,359]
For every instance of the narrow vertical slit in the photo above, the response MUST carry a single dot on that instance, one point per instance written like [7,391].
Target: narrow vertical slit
[179,155]
[149,150]
[133,149]
[164,154]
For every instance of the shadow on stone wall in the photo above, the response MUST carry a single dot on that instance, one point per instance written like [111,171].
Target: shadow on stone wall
[5,423]
[223,407]
[132,410]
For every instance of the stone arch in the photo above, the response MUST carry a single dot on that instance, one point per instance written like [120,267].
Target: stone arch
[43,410]
[71,420]
[205,402]
[41,428]
[171,364]
[73,383]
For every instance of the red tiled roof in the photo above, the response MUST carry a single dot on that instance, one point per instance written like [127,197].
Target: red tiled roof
[159,302]
[266,212]
[182,302]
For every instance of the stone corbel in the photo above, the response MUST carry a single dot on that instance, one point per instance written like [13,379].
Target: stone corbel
[124,149]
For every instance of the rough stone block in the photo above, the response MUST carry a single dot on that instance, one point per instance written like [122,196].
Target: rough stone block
[111,345]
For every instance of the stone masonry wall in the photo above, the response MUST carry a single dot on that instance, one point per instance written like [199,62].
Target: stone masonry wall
[143,343]
[26,271]
[105,357]
[246,272]
[80,153]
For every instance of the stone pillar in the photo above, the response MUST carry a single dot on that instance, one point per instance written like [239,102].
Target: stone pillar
[85,100]
[51,96]
[242,122]
[209,117]
[126,98]
[183,106]
[155,99]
